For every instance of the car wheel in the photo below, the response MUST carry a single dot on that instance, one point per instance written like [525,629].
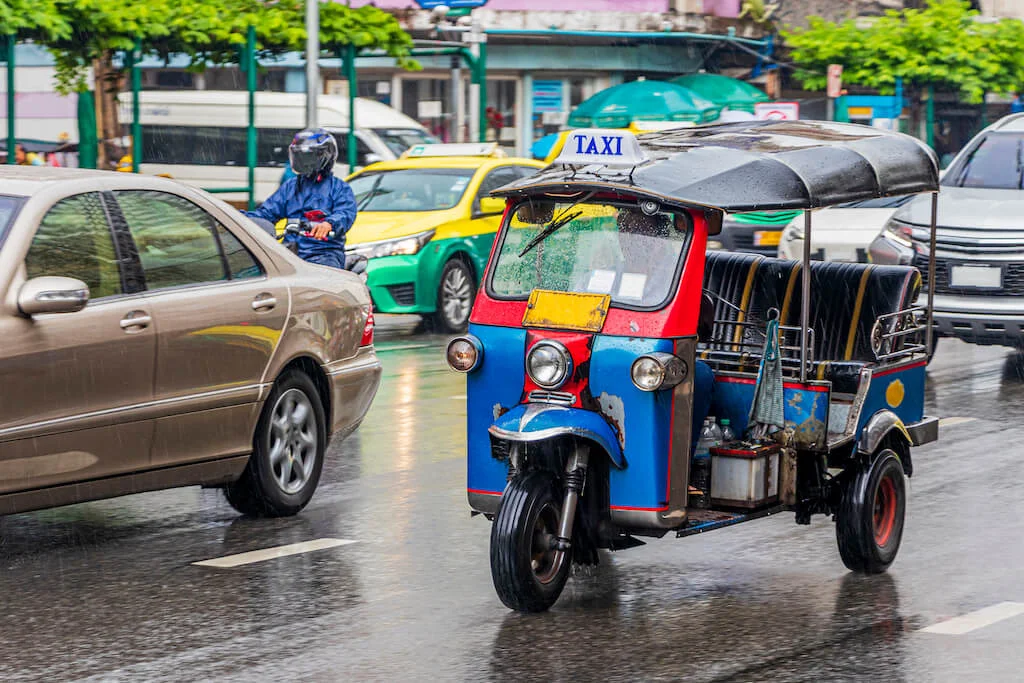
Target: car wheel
[869,521]
[288,451]
[455,295]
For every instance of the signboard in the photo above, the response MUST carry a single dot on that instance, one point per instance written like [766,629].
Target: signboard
[835,80]
[429,109]
[601,146]
[547,96]
[777,111]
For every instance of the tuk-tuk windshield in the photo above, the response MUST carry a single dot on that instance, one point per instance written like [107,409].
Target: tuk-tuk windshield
[603,249]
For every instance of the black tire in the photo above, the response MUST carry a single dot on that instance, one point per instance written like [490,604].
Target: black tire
[280,477]
[525,577]
[869,521]
[456,290]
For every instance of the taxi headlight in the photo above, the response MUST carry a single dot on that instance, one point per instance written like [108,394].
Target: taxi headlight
[464,354]
[549,364]
[396,247]
[658,371]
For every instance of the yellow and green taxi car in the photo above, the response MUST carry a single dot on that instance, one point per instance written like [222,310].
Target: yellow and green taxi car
[426,224]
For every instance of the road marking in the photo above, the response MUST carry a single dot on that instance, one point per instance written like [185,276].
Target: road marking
[950,421]
[273,553]
[978,619]
[404,347]
[458,397]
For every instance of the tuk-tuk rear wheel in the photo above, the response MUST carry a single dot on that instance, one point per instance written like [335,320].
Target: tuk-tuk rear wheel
[869,521]
[527,574]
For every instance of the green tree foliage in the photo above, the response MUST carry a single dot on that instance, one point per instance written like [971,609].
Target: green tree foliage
[943,45]
[34,18]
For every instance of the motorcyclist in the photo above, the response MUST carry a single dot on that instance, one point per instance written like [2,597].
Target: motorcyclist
[312,154]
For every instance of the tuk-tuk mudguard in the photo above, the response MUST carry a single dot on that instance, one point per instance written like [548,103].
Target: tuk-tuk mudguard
[540,421]
[881,425]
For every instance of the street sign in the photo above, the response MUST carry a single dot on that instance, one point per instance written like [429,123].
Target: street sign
[547,96]
[835,80]
[777,111]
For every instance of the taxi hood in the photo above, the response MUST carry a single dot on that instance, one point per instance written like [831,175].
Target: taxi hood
[374,226]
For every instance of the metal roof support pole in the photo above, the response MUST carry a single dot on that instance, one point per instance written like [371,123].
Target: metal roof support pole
[10,43]
[348,60]
[805,299]
[250,131]
[929,333]
[135,56]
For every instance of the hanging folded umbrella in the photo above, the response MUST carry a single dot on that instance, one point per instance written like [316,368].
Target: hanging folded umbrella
[728,92]
[620,105]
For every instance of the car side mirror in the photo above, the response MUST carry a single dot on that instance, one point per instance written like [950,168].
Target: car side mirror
[488,206]
[51,294]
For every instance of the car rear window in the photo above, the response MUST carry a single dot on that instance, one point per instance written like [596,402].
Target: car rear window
[995,162]
[9,207]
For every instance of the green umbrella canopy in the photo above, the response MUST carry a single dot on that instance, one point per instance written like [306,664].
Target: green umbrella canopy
[620,105]
[724,91]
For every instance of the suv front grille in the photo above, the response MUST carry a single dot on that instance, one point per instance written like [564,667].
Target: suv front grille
[1013,276]
[404,295]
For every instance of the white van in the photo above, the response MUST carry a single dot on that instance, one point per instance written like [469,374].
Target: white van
[198,136]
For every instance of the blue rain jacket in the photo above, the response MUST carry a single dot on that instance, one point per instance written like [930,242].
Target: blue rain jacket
[295,197]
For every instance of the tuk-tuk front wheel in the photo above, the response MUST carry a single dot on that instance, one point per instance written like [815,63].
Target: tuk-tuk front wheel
[869,521]
[528,572]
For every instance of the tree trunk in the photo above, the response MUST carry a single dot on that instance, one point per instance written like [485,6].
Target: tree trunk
[108,82]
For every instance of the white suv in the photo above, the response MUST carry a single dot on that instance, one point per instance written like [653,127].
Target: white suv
[979,261]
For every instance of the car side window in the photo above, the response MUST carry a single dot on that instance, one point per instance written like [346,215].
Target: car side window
[241,263]
[177,240]
[74,240]
[503,175]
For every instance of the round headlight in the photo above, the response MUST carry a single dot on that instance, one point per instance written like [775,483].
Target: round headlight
[464,354]
[549,364]
[658,371]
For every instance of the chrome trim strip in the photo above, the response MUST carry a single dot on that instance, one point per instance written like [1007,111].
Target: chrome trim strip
[365,363]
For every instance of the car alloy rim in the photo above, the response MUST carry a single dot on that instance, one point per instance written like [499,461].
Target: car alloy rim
[884,518]
[456,296]
[293,440]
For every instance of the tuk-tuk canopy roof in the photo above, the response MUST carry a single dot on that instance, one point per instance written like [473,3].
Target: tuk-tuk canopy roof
[747,166]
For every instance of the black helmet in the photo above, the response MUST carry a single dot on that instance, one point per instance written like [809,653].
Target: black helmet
[312,153]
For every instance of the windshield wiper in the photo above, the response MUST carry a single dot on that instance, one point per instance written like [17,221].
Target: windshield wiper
[371,194]
[551,227]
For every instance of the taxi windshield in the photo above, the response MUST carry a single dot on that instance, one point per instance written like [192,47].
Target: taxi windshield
[597,248]
[411,189]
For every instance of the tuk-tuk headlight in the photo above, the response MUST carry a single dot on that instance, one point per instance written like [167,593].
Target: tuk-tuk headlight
[549,364]
[658,371]
[464,354]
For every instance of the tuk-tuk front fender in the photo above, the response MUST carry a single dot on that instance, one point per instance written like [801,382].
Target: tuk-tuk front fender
[881,425]
[538,421]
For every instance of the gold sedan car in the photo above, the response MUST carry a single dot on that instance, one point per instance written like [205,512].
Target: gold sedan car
[152,337]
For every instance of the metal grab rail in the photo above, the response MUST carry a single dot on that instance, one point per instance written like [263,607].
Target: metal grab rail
[754,357]
[882,341]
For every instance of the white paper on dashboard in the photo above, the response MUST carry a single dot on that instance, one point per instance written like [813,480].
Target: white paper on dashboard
[631,286]
[601,281]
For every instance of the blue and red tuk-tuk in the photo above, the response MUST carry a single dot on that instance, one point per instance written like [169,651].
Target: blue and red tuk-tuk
[604,334]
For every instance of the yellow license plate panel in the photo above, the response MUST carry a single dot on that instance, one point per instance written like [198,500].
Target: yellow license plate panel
[566,310]
[767,238]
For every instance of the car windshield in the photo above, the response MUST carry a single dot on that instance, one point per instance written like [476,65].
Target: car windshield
[599,248]
[412,189]
[878,203]
[996,162]
[8,210]
[398,140]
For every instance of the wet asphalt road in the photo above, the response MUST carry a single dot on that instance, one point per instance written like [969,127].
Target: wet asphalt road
[107,591]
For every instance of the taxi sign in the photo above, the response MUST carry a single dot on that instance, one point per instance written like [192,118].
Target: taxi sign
[601,146]
[469,149]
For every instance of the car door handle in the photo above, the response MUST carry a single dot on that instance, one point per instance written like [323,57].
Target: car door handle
[135,321]
[264,302]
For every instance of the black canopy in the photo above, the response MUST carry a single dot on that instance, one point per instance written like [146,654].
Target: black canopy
[756,165]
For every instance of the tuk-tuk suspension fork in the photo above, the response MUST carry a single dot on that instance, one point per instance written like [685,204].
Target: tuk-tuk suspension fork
[575,478]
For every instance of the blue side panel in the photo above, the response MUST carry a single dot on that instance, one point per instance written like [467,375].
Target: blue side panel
[492,389]
[901,392]
[733,400]
[645,419]
[805,411]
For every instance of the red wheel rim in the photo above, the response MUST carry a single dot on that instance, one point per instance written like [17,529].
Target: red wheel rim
[885,511]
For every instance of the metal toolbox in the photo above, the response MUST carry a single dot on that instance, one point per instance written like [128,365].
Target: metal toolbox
[745,475]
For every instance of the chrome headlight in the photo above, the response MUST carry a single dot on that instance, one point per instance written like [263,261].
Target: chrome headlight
[402,246]
[549,364]
[793,233]
[658,371]
[899,231]
[464,354]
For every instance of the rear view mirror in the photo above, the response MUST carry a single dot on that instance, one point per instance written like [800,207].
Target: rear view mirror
[51,294]
[491,205]
[536,213]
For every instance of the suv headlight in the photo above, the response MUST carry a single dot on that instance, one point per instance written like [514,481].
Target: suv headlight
[549,364]
[401,246]
[793,233]
[899,231]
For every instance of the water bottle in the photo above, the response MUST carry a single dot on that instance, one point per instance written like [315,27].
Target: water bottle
[700,475]
[716,433]
[727,433]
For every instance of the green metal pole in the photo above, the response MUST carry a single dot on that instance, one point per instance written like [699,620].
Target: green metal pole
[12,40]
[930,130]
[350,69]
[481,71]
[250,132]
[136,116]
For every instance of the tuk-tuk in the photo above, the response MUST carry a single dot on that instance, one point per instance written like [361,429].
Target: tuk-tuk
[604,334]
